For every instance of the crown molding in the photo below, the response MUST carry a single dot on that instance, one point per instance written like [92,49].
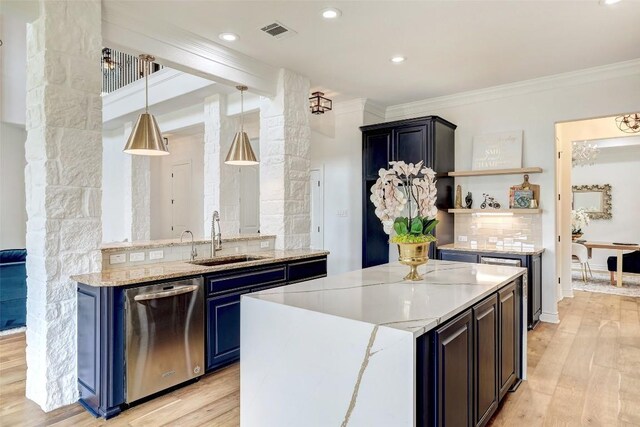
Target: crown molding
[359,105]
[182,50]
[574,78]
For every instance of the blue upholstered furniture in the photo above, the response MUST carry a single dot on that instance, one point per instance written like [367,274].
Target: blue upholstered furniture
[630,263]
[13,288]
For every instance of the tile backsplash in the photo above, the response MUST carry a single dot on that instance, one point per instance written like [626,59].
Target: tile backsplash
[498,231]
[126,258]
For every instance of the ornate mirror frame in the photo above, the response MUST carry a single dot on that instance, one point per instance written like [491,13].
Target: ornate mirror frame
[605,189]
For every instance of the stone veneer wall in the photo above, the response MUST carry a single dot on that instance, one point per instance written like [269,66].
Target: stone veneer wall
[63,187]
[221,181]
[498,231]
[285,138]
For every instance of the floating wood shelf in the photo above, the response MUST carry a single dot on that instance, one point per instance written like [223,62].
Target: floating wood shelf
[496,172]
[499,211]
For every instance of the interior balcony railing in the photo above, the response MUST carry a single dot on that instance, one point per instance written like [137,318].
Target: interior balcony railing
[120,69]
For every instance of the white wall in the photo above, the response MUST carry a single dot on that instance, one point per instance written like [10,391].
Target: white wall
[534,107]
[113,181]
[336,147]
[13,214]
[187,149]
[619,167]
[13,65]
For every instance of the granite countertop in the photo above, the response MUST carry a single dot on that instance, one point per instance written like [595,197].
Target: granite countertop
[380,296]
[177,269]
[454,247]
[150,244]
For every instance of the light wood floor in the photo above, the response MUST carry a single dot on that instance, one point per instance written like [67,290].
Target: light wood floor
[584,371]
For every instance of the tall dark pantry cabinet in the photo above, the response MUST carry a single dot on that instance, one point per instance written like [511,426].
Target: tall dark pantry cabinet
[430,139]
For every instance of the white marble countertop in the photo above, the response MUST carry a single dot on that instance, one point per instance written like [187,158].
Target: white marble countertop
[380,296]
[162,243]
[508,250]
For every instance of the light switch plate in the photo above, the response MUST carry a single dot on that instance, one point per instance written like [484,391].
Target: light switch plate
[136,256]
[117,259]
[462,238]
[342,213]
[264,244]
[156,254]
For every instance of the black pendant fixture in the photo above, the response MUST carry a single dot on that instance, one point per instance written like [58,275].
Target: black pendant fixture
[320,104]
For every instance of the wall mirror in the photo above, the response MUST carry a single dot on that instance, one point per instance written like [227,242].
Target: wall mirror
[594,199]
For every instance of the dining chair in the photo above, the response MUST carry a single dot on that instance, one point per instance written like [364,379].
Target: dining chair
[581,254]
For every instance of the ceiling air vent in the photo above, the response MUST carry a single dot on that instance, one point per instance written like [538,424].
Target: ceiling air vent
[278,30]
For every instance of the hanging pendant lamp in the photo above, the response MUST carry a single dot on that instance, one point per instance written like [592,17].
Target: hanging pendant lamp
[241,153]
[146,138]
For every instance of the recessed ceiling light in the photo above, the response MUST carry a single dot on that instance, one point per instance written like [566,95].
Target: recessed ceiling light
[609,2]
[228,37]
[398,59]
[331,13]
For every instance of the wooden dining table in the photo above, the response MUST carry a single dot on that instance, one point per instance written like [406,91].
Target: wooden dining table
[616,247]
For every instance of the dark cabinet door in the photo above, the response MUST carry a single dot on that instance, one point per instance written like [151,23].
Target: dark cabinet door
[508,336]
[535,291]
[458,256]
[376,152]
[485,373]
[375,242]
[410,143]
[454,355]
[223,330]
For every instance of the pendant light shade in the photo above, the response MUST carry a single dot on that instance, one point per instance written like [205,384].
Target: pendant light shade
[146,138]
[241,153]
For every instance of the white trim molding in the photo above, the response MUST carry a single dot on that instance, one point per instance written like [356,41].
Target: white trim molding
[549,317]
[183,50]
[574,78]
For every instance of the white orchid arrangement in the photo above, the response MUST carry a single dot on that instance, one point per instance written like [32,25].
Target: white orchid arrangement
[406,188]
[579,220]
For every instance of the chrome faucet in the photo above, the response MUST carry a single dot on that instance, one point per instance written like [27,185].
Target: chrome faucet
[216,238]
[194,252]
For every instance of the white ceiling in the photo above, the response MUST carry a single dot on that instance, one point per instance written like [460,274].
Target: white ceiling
[451,46]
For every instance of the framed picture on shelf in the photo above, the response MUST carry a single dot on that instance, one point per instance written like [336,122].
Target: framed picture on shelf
[497,151]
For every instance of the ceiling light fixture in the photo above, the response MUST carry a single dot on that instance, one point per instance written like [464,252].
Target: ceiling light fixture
[331,13]
[584,153]
[241,153]
[398,59]
[609,2]
[320,104]
[629,123]
[146,138]
[107,61]
[228,37]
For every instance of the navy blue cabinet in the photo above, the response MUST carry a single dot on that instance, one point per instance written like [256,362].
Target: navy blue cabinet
[223,330]
[466,366]
[223,303]
[429,139]
[533,264]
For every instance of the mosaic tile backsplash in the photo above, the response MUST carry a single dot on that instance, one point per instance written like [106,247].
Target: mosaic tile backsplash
[498,231]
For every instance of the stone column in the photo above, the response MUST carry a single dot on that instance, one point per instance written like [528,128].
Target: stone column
[285,137]
[221,181]
[63,187]
[137,193]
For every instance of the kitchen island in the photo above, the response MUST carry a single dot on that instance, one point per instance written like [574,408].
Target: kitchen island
[367,348]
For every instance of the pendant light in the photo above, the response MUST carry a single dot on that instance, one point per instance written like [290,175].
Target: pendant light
[241,153]
[146,138]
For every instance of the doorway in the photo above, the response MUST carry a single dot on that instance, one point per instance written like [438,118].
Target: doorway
[180,197]
[316,183]
[595,159]
[250,196]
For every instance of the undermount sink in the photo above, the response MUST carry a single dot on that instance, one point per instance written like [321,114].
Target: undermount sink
[227,260]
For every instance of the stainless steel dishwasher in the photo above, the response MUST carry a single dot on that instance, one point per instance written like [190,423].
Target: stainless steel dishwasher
[164,336]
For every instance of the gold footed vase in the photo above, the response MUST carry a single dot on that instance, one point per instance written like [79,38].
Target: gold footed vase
[413,255]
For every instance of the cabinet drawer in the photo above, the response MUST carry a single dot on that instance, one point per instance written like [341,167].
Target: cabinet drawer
[307,269]
[245,279]
[458,256]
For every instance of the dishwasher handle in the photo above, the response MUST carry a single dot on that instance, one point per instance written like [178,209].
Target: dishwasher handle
[167,293]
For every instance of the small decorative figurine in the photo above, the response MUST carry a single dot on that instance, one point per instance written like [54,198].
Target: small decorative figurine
[490,202]
[468,201]
[458,204]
